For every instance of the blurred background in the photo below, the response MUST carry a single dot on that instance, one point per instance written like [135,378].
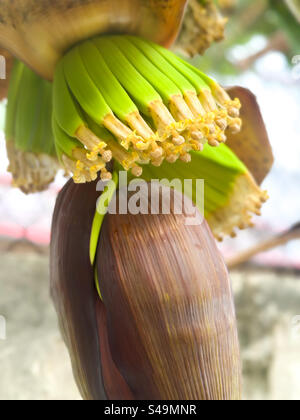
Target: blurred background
[261,51]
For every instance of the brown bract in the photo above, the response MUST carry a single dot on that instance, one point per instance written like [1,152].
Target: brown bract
[40,32]
[72,284]
[252,144]
[166,328]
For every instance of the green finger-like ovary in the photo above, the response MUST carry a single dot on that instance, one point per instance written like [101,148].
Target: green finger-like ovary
[12,100]
[161,83]
[83,87]
[28,111]
[65,109]
[208,80]
[113,92]
[139,89]
[162,64]
[65,144]
[195,79]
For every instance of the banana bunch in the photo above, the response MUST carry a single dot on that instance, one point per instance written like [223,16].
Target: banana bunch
[125,98]
[29,139]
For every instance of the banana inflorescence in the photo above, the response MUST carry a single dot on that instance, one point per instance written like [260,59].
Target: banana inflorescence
[129,99]
[29,138]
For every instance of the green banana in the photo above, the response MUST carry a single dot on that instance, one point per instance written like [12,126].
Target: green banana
[187,89]
[155,108]
[73,156]
[190,86]
[91,98]
[69,117]
[115,96]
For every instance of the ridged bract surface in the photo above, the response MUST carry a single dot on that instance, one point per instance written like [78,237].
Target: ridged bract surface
[40,32]
[166,328]
[171,319]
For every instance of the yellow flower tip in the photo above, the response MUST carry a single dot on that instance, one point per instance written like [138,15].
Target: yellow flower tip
[221,123]
[157,153]
[222,137]
[212,128]
[219,238]
[30,172]
[141,145]
[138,142]
[236,212]
[177,139]
[125,143]
[99,149]
[137,171]
[158,162]
[172,158]
[234,125]
[83,169]
[105,175]
[213,143]
[79,165]
[242,226]
[107,156]
[79,178]
[264,197]
[197,135]
[233,107]
[186,158]
[92,156]
[197,147]
[94,169]
[209,118]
